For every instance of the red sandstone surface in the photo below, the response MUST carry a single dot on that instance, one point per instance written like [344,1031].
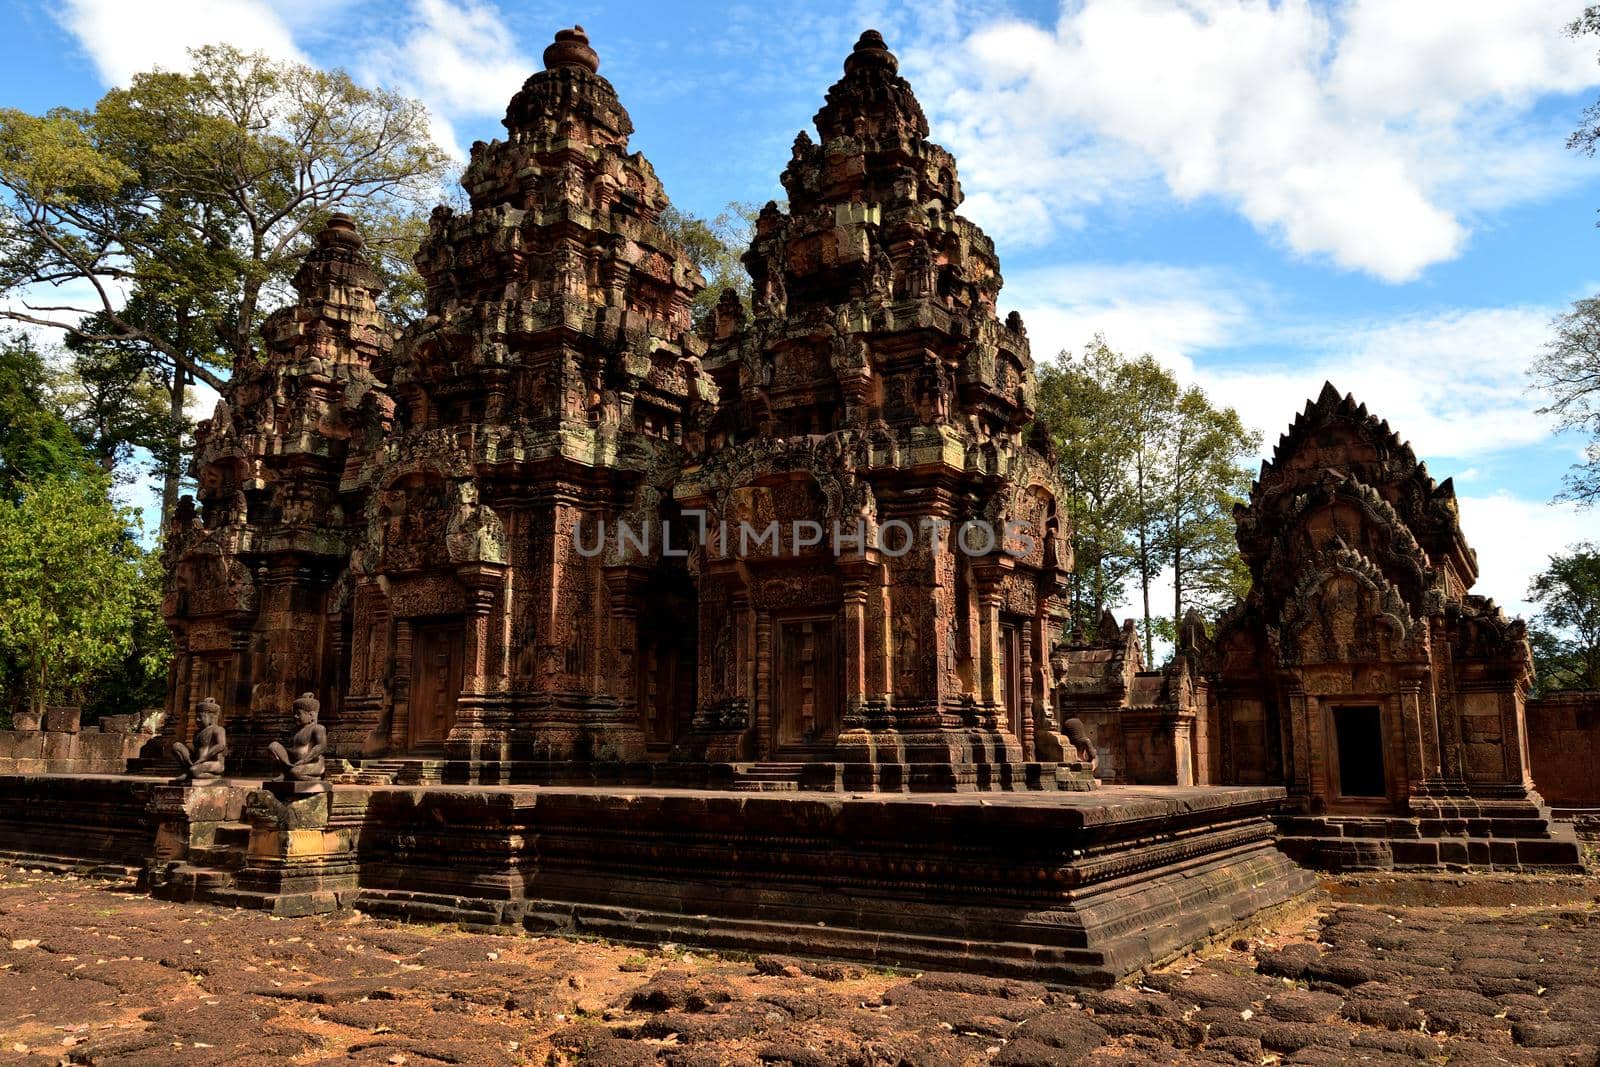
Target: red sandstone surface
[93,973]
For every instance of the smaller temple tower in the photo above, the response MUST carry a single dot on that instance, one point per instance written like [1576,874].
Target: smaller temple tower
[258,600]
[1361,673]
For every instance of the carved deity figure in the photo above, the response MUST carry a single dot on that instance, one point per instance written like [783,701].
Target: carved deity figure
[204,762]
[302,760]
[1078,734]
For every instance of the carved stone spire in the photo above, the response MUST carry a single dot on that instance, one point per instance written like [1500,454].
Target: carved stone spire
[569,99]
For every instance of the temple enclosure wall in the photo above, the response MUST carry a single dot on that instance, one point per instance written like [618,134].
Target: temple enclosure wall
[1564,748]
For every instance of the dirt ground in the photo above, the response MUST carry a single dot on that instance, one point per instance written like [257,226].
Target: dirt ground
[92,972]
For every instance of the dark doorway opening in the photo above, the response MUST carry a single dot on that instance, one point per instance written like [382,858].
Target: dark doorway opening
[807,678]
[1359,732]
[437,656]
[1012,684]
[666,661]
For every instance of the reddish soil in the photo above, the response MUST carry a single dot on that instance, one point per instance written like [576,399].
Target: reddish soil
[91,972]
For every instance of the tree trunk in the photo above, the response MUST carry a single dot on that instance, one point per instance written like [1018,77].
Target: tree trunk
[171,479]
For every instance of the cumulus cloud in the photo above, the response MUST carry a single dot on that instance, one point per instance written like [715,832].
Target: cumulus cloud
[124,38]
[1364,134]
[1515,538]
[457,56]
[1170,312]
[1453,381]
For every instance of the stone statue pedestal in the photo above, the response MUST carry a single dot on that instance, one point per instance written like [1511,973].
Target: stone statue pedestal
[301,859]
[1076,777]
[292,790]
[194,822]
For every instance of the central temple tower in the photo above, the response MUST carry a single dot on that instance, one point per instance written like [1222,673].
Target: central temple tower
[873,394]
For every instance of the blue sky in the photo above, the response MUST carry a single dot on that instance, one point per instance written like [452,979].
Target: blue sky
[1263,195]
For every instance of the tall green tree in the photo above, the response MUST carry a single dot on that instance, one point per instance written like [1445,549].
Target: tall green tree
[1151,471]
[716,247]
[1078,401]
[1206,472]
[70,585]
[1566,632]
[35,441]
[1150,395]
[1568,373]
[178,208]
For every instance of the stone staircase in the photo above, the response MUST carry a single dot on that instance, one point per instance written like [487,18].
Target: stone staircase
[208,869]
[1437,833]
[768,777]
[399,771]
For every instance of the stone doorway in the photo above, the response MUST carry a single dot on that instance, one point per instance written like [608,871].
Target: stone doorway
[437,654]
[667,680]
[1358,736]
[807,682]
[1012,688]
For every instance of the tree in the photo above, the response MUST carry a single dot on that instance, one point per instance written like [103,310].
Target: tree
[35,441]
[1566,632]
[1587,136]
[1150,396]
[1079,403]
[1206,474]
[1151,472]
[716,249]
[181,205]
[70,584]
[1569,373]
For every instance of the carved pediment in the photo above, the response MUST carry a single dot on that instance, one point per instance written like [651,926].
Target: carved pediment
[1344,610]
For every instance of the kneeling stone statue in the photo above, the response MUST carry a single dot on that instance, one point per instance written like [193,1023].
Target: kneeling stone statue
[302,760]
[204,763]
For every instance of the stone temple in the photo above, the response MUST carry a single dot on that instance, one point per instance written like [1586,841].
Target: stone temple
[402,524]
[497,578]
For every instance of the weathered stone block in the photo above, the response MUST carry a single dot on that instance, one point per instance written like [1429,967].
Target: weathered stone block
[25,721]
[60,746]
[63,719]
[100,747]
[21,744]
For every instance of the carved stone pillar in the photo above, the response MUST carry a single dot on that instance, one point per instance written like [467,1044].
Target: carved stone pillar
[763,684]
[622,667]
[1421,746]
[856,574]
[989,687]
[1295,730]
[400,696]
[472,738]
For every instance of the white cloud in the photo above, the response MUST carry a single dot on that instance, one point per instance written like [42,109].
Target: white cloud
[125,38]
[1453,383]
[1515,538]
[1366,135]
[457,56]
[1170,312]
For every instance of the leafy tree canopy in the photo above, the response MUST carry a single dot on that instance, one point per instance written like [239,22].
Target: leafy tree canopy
[72,583]
[1151,471]
[35,441]
[1566,632]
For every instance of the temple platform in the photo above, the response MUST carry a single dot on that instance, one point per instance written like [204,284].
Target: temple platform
[1078,888]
